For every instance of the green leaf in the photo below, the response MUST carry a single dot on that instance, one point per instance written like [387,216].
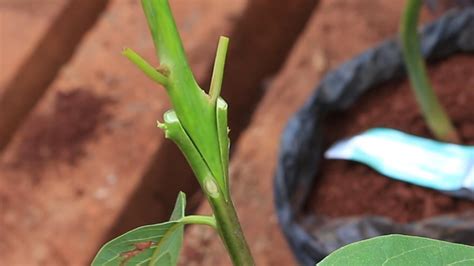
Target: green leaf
[401,250]
[157,244]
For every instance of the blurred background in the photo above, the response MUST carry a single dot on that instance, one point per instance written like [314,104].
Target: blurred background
[81,159]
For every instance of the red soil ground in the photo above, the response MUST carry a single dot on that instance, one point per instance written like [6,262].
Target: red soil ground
[63,180]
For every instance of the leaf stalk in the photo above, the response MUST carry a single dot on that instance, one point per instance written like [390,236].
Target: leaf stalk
[199,219]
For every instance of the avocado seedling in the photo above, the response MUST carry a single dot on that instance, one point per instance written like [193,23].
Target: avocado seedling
[198,125]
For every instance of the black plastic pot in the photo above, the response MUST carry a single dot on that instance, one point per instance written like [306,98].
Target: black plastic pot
[312,237]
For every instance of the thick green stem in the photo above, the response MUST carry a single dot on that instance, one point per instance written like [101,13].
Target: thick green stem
[433,112]
[230,231]
[190,102]
[197,124]
[224,212]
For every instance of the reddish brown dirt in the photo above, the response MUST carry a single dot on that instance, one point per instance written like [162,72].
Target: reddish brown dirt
[17,44]
[62,219]
[348,188]
[50,139]
[72,166]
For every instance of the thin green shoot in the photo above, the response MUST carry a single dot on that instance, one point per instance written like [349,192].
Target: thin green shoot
[435,116]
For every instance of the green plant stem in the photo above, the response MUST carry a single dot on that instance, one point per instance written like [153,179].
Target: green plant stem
[189,101]
[197,124]
[230,231]
[227,223]
[218,71]
[224,212]
[433,112]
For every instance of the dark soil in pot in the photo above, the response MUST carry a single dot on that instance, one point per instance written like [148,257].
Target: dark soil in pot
[347,188]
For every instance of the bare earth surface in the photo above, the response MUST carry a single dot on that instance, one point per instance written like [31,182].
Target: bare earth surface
[66,175]
[80,154]
[33,18]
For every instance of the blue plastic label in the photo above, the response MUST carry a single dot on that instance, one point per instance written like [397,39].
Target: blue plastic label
[416,160]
